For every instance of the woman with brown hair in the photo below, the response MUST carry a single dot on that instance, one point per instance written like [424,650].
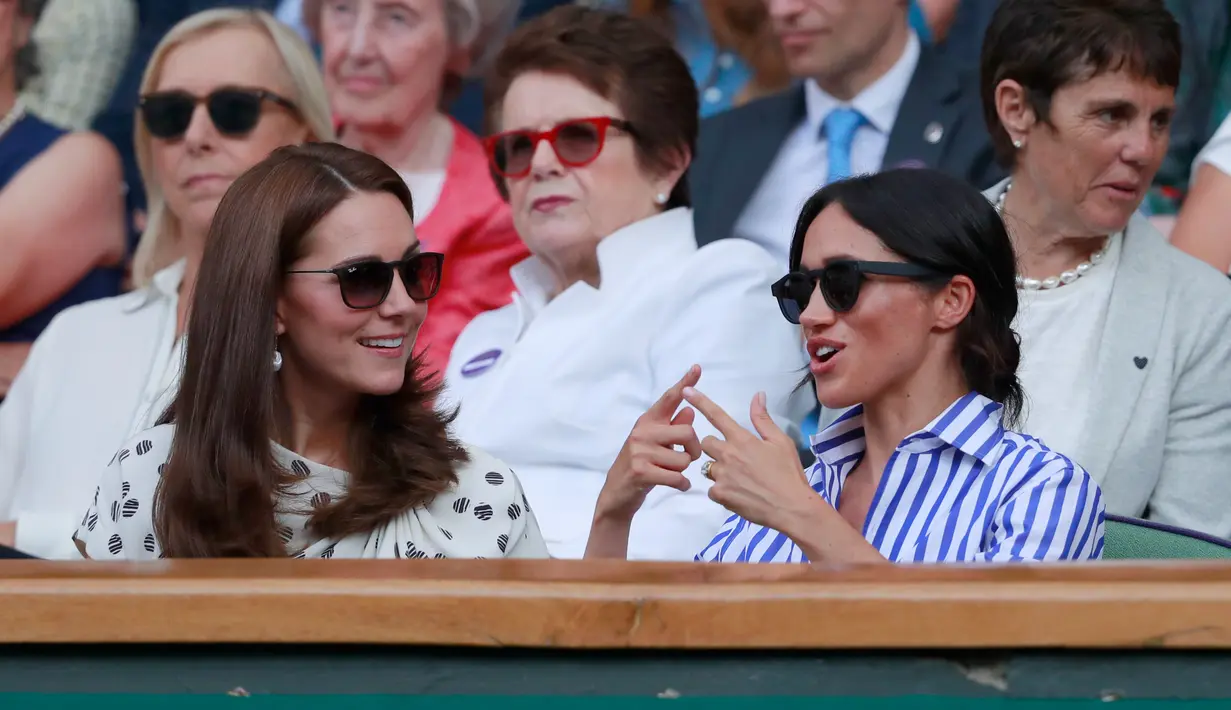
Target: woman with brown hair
[302,425]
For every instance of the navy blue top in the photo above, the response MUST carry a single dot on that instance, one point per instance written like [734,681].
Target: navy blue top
[28,138]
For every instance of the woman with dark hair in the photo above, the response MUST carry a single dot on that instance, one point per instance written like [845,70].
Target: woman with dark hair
[61,206]
[903,285]
[1125,356]
[302,426]
[594,116]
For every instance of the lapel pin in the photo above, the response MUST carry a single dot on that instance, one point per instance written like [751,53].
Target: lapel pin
[1141,362]
[933,133]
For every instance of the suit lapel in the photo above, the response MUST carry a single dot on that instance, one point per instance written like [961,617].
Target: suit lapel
[1129,341]
[928,117]
[753,144]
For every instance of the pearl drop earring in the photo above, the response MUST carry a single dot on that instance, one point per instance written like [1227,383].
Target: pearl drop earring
[277,360]
[1018,144]
[661,198]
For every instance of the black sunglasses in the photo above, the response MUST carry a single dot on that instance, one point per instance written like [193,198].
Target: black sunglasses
[840,282]
[366,284]
[234,111]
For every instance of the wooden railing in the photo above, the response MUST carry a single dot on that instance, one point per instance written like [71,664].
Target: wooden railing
[617,604]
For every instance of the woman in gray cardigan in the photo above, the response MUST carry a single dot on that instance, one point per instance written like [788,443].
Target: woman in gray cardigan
[1126,341]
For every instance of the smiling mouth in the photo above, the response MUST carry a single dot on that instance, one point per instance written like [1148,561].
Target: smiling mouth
[382,343]
[826,352]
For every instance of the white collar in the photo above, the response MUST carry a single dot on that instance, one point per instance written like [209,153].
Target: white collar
[622,255]
[165,284]
[879,102]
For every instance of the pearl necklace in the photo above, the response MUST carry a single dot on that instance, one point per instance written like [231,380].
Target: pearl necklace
[11,118]
[1065,277]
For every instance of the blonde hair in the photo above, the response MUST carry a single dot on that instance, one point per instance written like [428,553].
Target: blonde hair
[159,243]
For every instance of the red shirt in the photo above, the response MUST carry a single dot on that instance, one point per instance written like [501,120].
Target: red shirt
[472,226]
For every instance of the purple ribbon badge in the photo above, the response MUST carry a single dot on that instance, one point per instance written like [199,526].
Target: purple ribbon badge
[480,363]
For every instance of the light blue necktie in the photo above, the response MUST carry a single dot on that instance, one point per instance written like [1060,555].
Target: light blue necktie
[840,127]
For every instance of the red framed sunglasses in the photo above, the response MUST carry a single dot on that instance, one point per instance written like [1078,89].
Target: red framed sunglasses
[577,142]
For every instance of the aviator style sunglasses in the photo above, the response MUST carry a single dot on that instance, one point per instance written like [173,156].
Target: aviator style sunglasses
[366,284]
[233,111]
[577,142]
[840,283]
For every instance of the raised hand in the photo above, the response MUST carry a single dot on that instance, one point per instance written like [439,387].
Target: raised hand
[758,476]
[649,457]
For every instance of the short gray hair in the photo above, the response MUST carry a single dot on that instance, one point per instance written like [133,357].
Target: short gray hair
[26,60]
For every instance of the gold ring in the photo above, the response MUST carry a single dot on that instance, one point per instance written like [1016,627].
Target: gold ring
[705,470]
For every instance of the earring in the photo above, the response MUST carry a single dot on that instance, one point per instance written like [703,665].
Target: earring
[1018,144]
[277,361]
[661,198]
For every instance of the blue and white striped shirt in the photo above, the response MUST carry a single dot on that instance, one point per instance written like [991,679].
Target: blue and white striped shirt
[963,489]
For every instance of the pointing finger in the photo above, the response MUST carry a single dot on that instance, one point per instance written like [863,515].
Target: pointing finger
[674,396]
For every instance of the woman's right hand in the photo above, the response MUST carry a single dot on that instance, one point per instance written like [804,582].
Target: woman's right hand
[649,457]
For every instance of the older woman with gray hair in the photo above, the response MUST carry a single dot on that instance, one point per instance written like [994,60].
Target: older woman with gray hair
[1126,356]
[391,66]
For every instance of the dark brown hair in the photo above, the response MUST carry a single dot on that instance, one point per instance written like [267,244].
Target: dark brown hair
[627,60]
[1046,44]
[739,26]
[26,60]
[935,220]
[217,494]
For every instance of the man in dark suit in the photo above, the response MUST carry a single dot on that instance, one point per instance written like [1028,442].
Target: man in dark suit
[871,97]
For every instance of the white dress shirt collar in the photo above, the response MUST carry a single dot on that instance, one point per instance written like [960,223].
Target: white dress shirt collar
[621,256]
[879,102]
[165,284]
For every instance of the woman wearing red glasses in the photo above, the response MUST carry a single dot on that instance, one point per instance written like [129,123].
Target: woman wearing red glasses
[302,426]
[594,117]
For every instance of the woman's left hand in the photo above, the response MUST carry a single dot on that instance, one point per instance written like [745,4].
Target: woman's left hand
[758,477]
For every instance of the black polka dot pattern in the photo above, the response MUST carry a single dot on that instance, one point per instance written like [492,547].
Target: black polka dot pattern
[448,535]
[461,505]
[124,453]
[495,478]
[144,446]
[441,556]
[285,533]
[124,489]
[149,542]
[502,542]
[414,553]
[483,511]
[321,499]
[514,511]
[328,552]
[299,555]
[130,508]
[115,511]
[299,468]
[161,468]
[115,545]
[91,522]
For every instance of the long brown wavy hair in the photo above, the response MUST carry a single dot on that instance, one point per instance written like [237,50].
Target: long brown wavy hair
[741,26]
[217,495]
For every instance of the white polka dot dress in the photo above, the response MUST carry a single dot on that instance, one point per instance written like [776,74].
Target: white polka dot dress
[485,515]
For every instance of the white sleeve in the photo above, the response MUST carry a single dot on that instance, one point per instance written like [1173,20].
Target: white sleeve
[727,322]
[47,533]
[1218,151]
[119,523]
